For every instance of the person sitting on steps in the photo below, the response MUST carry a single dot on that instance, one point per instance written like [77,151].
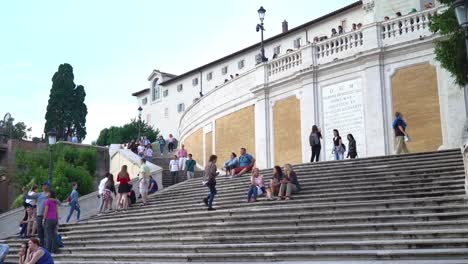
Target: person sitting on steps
[231,164]
[257,186]
[246,164]
[289,184]
[275,183]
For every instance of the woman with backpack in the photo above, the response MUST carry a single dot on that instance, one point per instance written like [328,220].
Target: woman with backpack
[314,140]
[338,146]
[352,151]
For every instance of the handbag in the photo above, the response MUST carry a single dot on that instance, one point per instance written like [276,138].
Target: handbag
[407,139]
[259,191]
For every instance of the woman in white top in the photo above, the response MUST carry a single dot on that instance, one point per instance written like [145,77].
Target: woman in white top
[31,229]
[174,168]
[257,186]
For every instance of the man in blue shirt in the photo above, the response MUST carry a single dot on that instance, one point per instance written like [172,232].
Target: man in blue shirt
[246,163]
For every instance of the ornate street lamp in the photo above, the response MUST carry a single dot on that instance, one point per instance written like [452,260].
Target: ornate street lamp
[140,110]
[461,12]
[52,137]
[261,15]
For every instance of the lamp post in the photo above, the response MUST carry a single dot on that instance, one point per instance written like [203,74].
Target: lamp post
[52,136]
[139,120]
[261,14]
[461,12]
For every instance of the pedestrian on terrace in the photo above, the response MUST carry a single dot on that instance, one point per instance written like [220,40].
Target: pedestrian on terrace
[338,146]
[162,144]
[182,154]
[399,126]
[315,144]
[109,188]
[41,199]
[50,222]
[210,176]
[171,143]
[352,151]
[149,152]
[144,181]
[174,169]
[190,165]
[124,188]
[73,203]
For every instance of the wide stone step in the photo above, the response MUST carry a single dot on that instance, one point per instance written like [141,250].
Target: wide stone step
[283,221]
[329,178]
[181,206]
[428,213]
[428,254]
[319,192]
[225,187]
[289,205]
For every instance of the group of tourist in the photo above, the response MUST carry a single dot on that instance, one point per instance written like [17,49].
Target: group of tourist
[281,186]
[182,161]
[339,148]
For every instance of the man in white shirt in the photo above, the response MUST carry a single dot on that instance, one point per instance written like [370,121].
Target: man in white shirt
[174,168]
[101,187]
[144,181]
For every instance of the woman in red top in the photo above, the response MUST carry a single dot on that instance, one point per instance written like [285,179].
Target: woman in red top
[124,188]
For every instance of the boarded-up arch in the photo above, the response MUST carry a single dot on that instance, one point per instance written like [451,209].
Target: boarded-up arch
[415,94]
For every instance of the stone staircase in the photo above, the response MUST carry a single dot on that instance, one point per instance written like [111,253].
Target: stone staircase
[392,209]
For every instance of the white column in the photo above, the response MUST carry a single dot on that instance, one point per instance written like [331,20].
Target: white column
[307,107]
[375,110]
[262,132]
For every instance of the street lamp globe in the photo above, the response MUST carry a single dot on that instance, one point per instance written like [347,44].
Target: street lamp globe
[461,11]
[261,13]
[52,136]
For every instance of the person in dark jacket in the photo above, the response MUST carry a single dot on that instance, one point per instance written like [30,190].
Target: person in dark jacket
[314,141]
[210,175]
[352,151]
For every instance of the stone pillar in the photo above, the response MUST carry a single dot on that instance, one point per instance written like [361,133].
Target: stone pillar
[263,127]
[375,109]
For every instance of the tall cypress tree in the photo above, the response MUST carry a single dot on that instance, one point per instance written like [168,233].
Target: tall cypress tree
[66,110]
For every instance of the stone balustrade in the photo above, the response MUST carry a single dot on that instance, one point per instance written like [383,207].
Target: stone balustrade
[285,62]
[408,27]
[339,44]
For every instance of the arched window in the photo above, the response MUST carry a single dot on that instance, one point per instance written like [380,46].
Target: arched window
[155,90]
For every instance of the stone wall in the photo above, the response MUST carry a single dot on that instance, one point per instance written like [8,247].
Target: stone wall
[208,146]
[194,145]
[287,131]
[416,96]
[234,131]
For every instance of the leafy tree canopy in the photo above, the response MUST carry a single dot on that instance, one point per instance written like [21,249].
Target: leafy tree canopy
[13,130]
[126,133]
[66,110]
[451,51]
[71,164]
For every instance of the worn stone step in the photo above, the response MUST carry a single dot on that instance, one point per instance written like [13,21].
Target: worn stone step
[287,205]
[429,254]
[255,218]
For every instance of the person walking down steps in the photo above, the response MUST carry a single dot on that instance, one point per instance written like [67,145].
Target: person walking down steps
[174,168]
[210,176]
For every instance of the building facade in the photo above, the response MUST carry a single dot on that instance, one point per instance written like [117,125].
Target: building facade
[353,81]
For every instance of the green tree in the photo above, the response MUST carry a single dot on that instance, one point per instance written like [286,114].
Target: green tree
[66,110]
[17,130]
[126,133]
[450,51]
[71,164]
